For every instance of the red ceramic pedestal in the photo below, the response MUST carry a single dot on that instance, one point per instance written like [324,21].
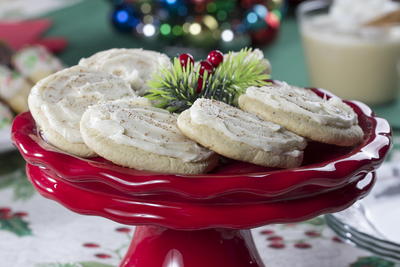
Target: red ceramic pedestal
[154,246]
[203,220]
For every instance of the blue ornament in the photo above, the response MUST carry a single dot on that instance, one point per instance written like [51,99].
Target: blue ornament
[175,7]
[125,17]
[255,18]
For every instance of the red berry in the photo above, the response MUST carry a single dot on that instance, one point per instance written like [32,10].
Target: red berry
[102,256]
[185,58]
[206,66]
[267,232]
[199,85]
[277,245]
[337,239]
[312,233]
[302,245]
[5,216]
[20,214]
[275,238]
[215,57]
[91,245]
[123,229]
[5,210]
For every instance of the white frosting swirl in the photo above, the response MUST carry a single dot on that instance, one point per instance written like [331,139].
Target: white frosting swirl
[136,66]
[148,128]
[332,112]
[245,127]
[64,96]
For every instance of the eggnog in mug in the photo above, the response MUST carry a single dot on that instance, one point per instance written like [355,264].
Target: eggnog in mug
[343,55]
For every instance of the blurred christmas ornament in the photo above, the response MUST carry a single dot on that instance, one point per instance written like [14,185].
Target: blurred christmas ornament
[227,24]
[125,17]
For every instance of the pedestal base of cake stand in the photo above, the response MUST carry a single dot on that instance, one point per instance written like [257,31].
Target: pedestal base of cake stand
[154,246]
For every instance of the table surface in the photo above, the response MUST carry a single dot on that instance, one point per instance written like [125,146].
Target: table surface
[37,232]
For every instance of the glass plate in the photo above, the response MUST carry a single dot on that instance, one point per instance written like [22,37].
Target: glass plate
[373,223]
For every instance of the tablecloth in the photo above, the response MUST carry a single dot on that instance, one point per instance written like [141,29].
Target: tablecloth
[38,232]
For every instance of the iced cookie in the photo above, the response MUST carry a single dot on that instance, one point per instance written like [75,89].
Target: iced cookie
[58,101]
[133,135]
[303,112]
[240,135]
[5,128]
[136,66]
[14,89]
[5,116]
[35,63]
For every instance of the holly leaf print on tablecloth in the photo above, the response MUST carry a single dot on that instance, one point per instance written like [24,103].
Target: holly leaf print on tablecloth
[372,262]
[78,264]
[14,223]
[11,161]
[317,221]
[22,188]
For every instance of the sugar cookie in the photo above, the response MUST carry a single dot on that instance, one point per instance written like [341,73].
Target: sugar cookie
[36,63]
[136,66]
[144,138]
[58,102]
[14,89]
[305,113]
[240,135]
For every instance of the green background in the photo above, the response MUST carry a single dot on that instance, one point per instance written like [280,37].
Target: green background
[87,28]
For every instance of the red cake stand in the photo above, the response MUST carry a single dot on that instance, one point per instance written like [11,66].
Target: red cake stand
[204,220]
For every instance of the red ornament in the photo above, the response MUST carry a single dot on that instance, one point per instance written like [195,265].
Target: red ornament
[267,35]
[184,59]
[204,66]
[215,57]
[199,85]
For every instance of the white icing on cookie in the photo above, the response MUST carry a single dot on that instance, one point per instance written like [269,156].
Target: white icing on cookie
[36,59]
[332,112]
[64,96]
[136,66]
[5,116]
[145,127]
[245,127]
[11,82]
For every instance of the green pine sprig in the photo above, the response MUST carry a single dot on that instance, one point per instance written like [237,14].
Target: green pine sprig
[174,88]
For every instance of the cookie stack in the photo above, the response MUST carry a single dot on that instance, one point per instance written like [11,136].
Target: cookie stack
[93,109]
